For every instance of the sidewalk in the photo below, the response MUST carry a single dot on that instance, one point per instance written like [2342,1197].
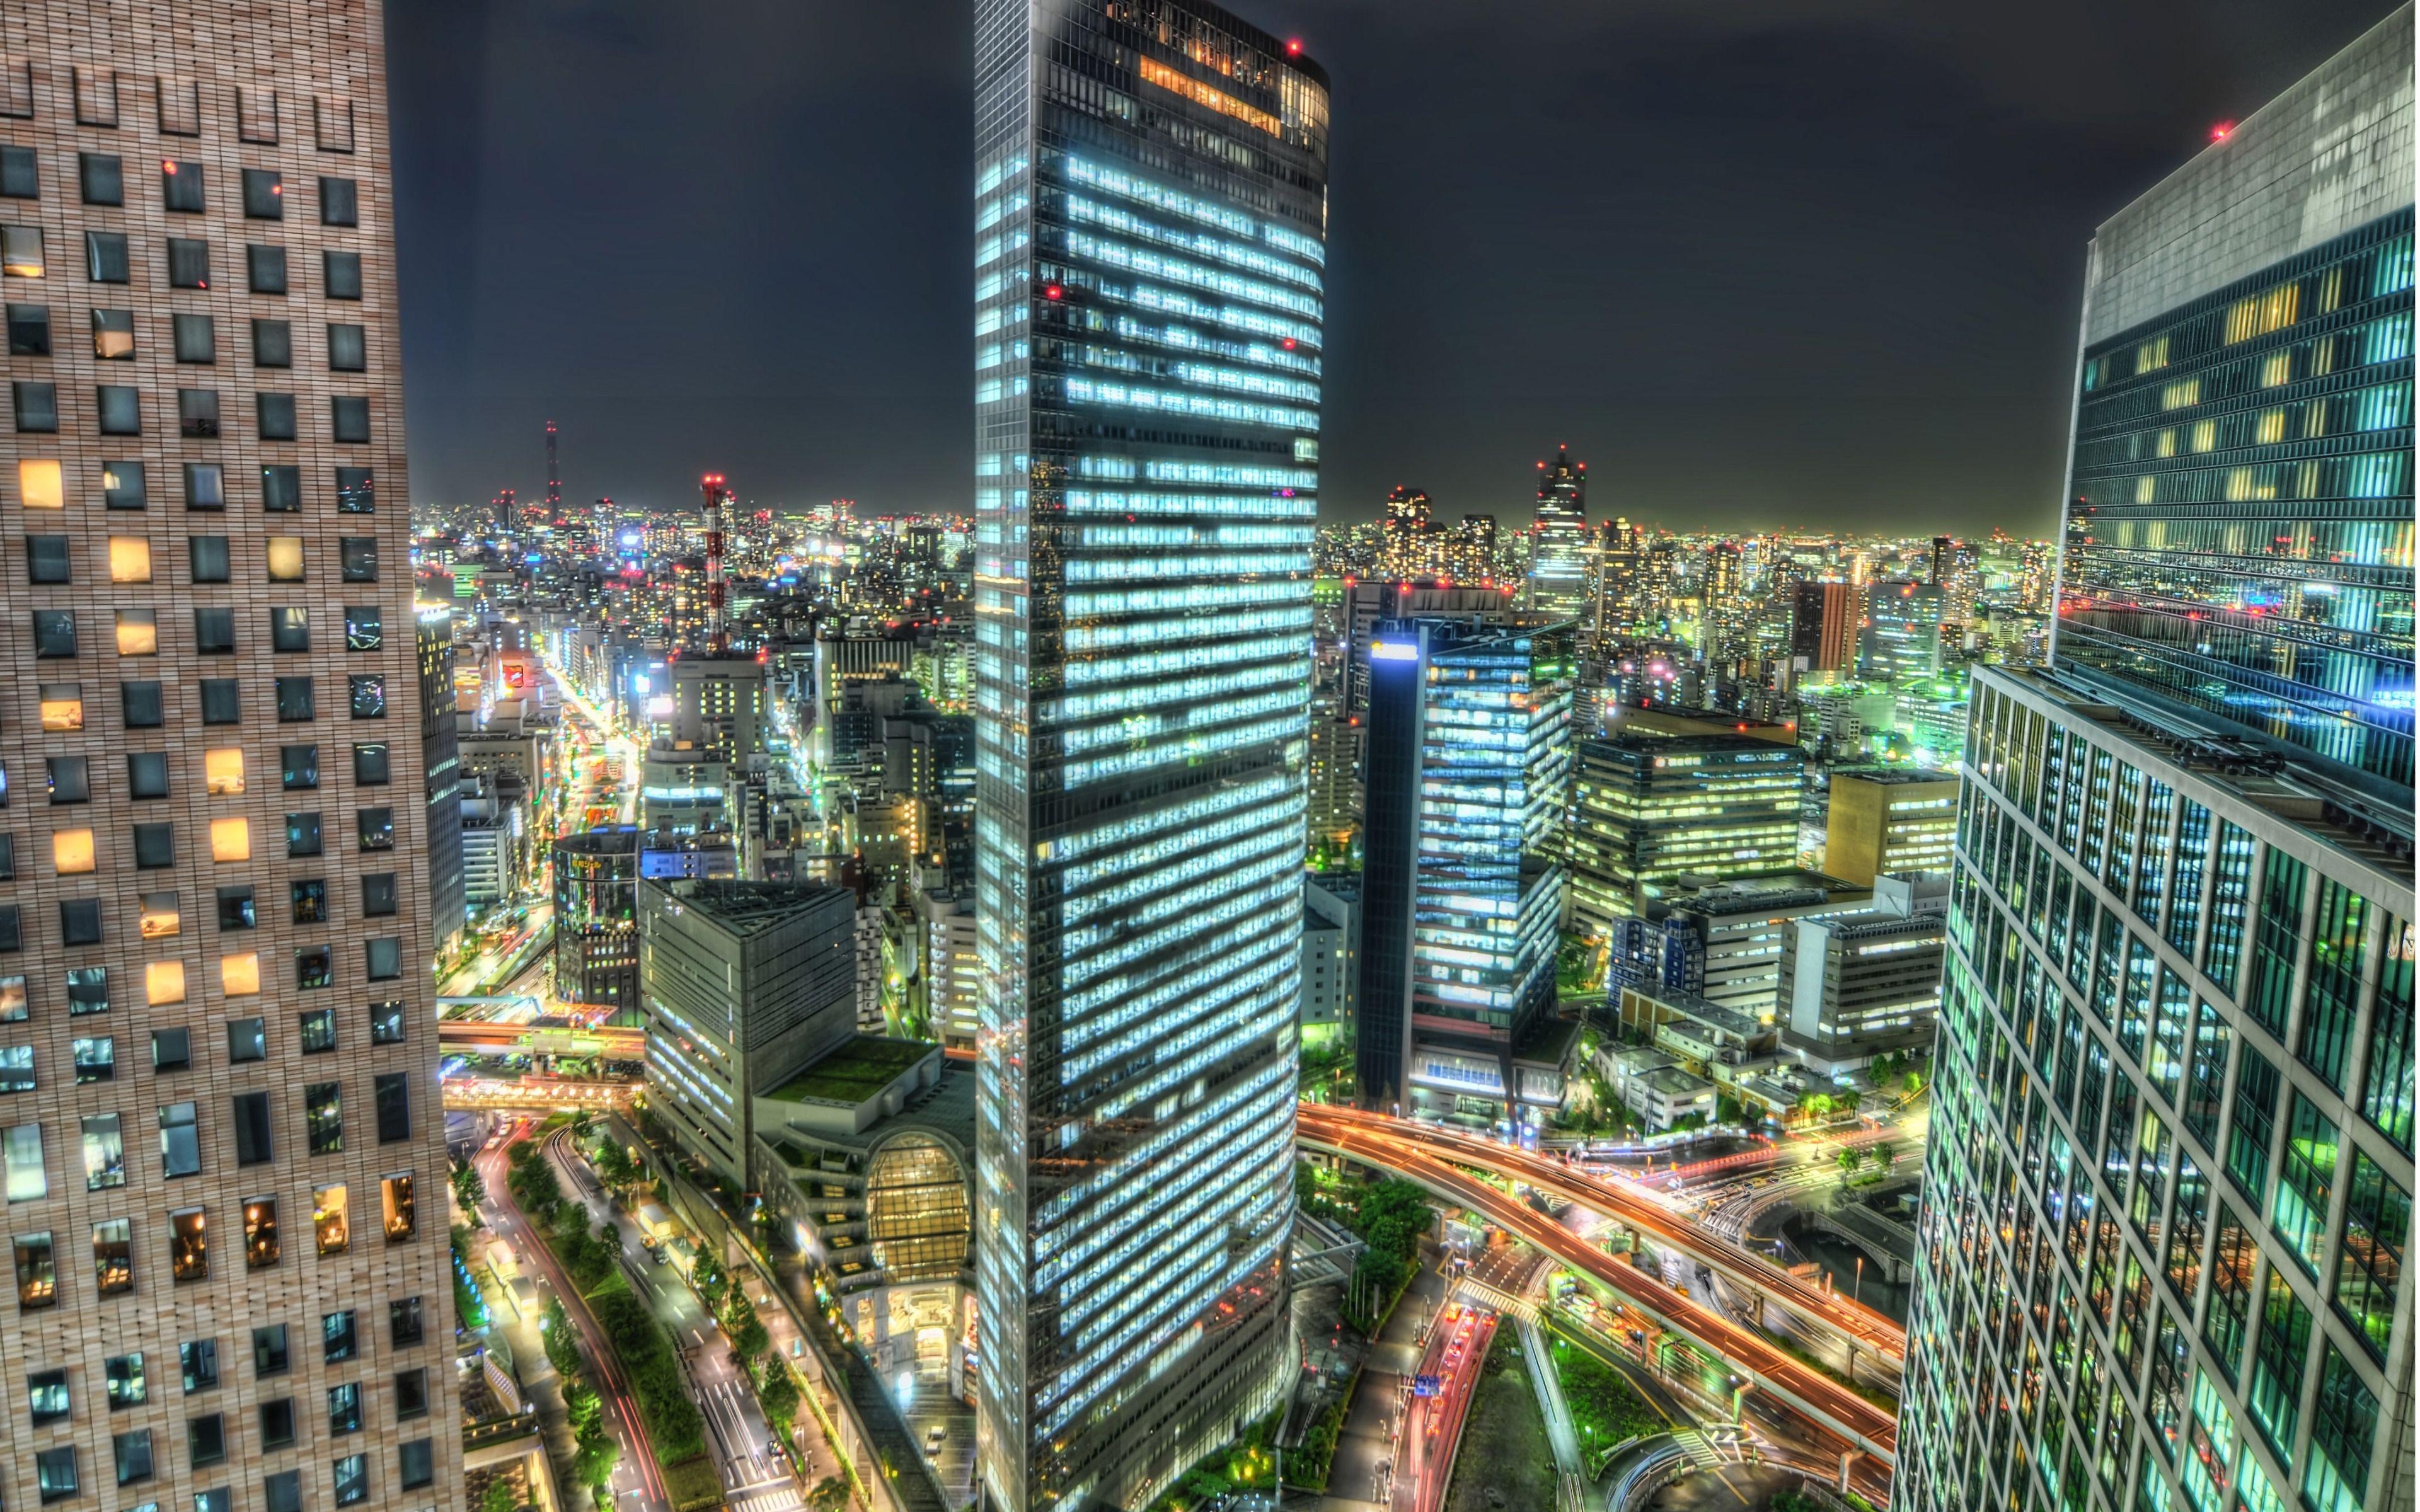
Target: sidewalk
[1365,1449]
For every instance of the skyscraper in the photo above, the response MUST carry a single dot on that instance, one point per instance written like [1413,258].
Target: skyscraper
[1902,633]
[1149,211]
[1648,808]
[1468,759]
[1559,548]
[225,1156]
[1412,541]
[2167,1198]
[1823,624]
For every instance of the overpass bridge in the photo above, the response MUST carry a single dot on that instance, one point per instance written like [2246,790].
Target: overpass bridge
[486,1037]
[1756,1360]
[1857,1326]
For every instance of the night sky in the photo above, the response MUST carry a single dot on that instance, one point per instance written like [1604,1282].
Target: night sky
[1761,264]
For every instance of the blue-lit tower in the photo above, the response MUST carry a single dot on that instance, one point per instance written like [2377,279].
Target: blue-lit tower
[1149,212]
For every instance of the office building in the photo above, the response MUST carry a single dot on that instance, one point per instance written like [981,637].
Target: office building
[2167,1192]
[1651,813]
[1724,943]
[1150,209]
[1331,955]
[1367,603]
[1333,795]
[1864,983]
[223,1153]
[1558,543]
[718,704]
[1468,770]
[1902,635]
[1823,625]
[743,983]
[1888,819]
[1411,541]
[442,767]
[597,920]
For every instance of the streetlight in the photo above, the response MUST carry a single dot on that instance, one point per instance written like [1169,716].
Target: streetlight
[1858,1294]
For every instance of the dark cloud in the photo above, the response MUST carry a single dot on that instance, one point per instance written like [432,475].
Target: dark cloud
[1763,264]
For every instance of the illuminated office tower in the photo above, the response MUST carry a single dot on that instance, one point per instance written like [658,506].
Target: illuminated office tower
[225,1162]
[2168,1195]
[1823,619]
[1412,544]
[1558,544]
[1902,633]
[1467,763]
[1149,212]
[1647,809]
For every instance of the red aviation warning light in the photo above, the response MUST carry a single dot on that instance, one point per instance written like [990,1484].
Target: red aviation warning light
[2222,130]
[1052,291]
[1294,47]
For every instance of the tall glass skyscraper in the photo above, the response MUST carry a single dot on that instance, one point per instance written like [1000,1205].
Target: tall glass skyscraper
[1558,543]
[1149,212]
[2168,1190]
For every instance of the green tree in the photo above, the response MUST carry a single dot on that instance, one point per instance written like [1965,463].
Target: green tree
[830,1495]
[614,1166]
[780,1396]
[470,1189]
[584,1407]
[750,1338]
[710,1280]
[1880,1153]
[593,1462]
[535,1187]
[498,1497]
[561,1344]
[1848,1160]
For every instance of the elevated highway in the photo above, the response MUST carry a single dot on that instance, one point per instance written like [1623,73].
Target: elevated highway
[1740,1266]
[488,1038]
[1756,1360]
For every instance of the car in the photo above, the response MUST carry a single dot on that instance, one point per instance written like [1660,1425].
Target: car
[937,1433]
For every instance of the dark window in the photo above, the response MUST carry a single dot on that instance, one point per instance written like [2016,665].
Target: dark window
[253,1143]
[323,1117]
[172,1050]
[393,1098]
[364,630]
[282,1492]
[289,628]
[128,1385]
[406,1323]
[221,701]
[46,559]
[197,414]
[416,1461]
[247,1040]
[87,991]
[281,489]
[120,408]
[295,703]
[196,338]
[375,829]
[350,419]
[339,204]
[235,908]
[68,779]
[299,766]
[310,900]
[104,257]
[55,633]
[208,557]
[29,330]
[188,263]
[272,344]
[214,632]
[205,486]
[377,895]
[267,266]
[54,1472]
[370,767]
[302,834]
[339,1340]
[180,186]
[20,178]
[199,1360]
[344,1408]
[46,1396]
[276,416]
[35,408]
[140,703]
[358,558]
[147,774]
[204,1439]
[132,1452]
[342,273]
[101,181]
[354,492]
[155,845]
[315,966]
[386,1022]
[125,486]
[353,1480]
[385,958]
[12,936]
[347,350]
[367,696]
[79,919]
[318,1030]
[277,1424]
[264,194]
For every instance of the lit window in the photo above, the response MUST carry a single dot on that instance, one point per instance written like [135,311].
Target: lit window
[240,974]
[21,250]
[130,559]
[330,1219]
[222,769]
[62,706]
[230,840]
[39,485]
[160,916]
[72,851]
[163,982]
[138,632]
[286,559]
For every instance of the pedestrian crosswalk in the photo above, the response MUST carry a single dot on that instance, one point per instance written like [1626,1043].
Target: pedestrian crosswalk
[1701,1450]
[771,1496]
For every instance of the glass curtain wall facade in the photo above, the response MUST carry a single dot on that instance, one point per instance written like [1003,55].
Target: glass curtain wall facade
[1559,549]
[1150,209]
[2168,1186]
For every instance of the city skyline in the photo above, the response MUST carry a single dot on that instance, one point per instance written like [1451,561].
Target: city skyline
[1757,207]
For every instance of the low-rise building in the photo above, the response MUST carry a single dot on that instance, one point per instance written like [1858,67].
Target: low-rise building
[1865,983]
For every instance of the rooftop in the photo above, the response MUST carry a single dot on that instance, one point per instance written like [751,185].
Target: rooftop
[748,907]
[1896,776]
[855,1072]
